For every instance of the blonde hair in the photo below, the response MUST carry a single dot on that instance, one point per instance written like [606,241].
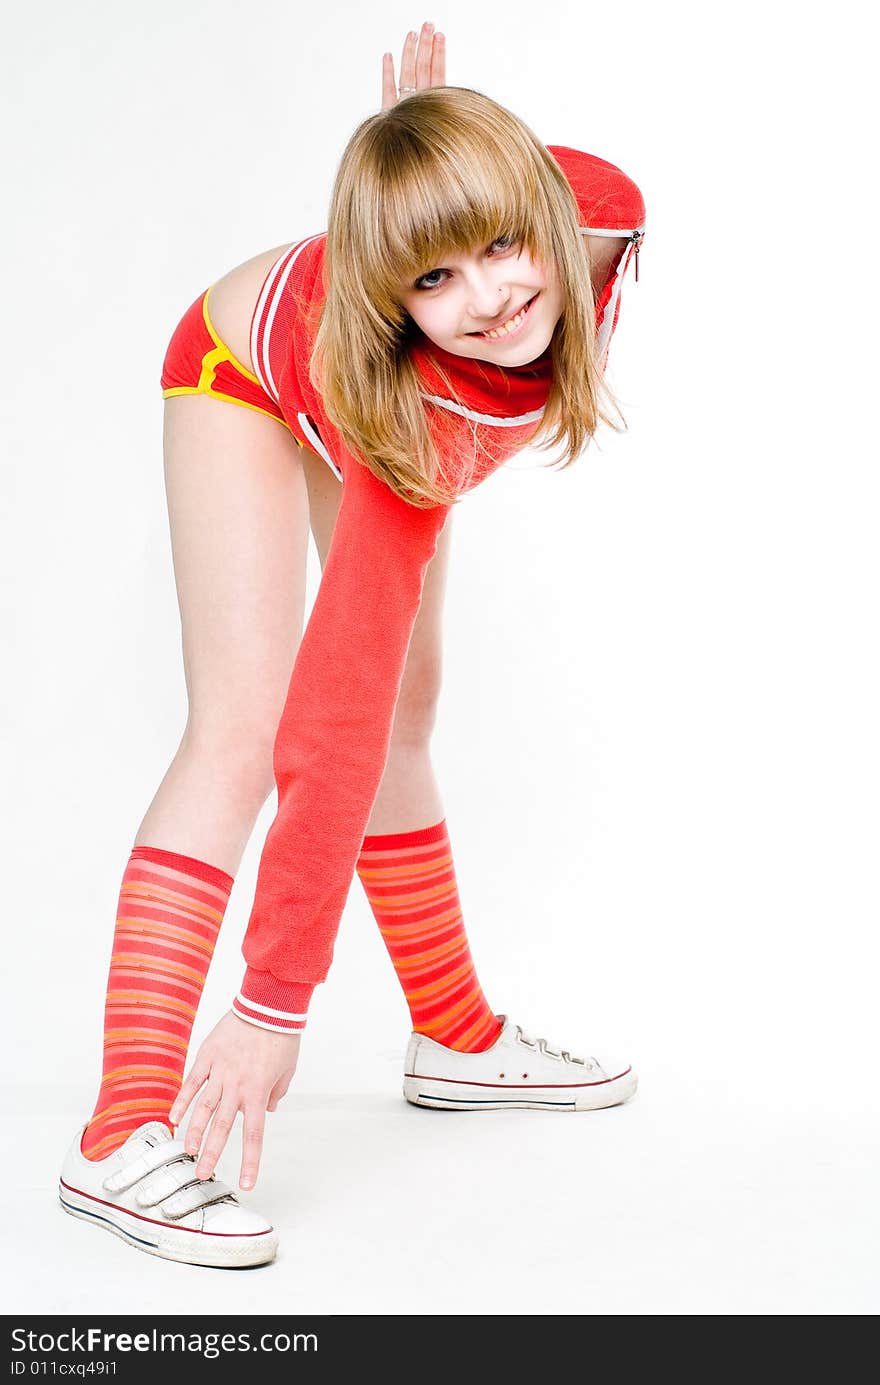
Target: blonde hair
[445,170]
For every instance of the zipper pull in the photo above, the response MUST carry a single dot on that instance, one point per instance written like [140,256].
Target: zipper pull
[636,239]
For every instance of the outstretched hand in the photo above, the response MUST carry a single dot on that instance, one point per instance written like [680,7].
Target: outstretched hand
[425,67]
[246,1069]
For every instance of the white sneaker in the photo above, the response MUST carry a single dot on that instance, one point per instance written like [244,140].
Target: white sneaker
[147,1192]
[517,1070]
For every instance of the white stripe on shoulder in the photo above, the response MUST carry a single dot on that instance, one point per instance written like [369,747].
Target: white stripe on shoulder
[267,304]
[317,445]
[257,335]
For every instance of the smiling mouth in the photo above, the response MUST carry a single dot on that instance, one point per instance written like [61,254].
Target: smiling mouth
[508,328]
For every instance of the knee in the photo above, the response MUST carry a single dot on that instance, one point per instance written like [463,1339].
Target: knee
[239,753]
[417,702]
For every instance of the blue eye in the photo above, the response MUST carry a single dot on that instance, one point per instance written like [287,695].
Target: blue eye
[505,242]
[420,283]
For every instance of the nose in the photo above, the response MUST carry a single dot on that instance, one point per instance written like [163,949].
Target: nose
[486,299]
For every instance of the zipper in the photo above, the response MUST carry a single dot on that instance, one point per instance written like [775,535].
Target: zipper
[636,239]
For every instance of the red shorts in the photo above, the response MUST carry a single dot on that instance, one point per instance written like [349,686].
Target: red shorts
[198,362]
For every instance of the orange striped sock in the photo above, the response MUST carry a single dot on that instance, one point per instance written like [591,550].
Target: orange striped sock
[167,921]
[409,879]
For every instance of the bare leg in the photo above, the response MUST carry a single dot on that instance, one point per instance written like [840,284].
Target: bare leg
[238,510]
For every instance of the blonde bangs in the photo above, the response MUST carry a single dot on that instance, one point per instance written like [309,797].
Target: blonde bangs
[454,202]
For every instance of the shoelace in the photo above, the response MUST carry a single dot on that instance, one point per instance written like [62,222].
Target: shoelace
[550,1049]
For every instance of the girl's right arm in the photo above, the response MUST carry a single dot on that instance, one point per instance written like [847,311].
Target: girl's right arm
[332,741]
[423,68]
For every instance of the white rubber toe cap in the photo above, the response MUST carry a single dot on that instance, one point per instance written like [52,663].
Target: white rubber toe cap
[611,1067]
[223,1219]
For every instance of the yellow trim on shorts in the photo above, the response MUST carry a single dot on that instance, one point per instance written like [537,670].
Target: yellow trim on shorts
[230,399]
[221,345]
[210,361]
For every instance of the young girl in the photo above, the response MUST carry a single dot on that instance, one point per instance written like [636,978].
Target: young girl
[459,307]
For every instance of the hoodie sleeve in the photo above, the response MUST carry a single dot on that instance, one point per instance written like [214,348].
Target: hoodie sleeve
[332,742]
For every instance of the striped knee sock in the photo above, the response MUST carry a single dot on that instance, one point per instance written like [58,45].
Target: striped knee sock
[409,879]
[167,920]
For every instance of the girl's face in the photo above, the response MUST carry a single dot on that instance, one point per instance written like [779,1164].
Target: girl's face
[457,303]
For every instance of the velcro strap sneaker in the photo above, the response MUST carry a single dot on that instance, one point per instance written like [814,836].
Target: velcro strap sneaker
[147,1192]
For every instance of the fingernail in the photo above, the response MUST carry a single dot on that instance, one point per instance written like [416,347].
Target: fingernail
[247,1182]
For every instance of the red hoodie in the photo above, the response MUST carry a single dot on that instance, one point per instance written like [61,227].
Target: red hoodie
[334,733]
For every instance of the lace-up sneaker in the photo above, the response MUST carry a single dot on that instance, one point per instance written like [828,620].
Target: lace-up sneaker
[147,1192]
[518,1070]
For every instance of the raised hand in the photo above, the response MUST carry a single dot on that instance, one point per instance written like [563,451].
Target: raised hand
[420,67]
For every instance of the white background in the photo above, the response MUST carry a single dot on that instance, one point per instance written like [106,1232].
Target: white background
[658,743]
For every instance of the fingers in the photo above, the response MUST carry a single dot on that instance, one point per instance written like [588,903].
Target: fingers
[198,1074]
[423,59]
[422,64]
[203,1110]
[389,90]
[225,1109]
[408,60]
[438,61]
[225,1112]
[251,1145]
